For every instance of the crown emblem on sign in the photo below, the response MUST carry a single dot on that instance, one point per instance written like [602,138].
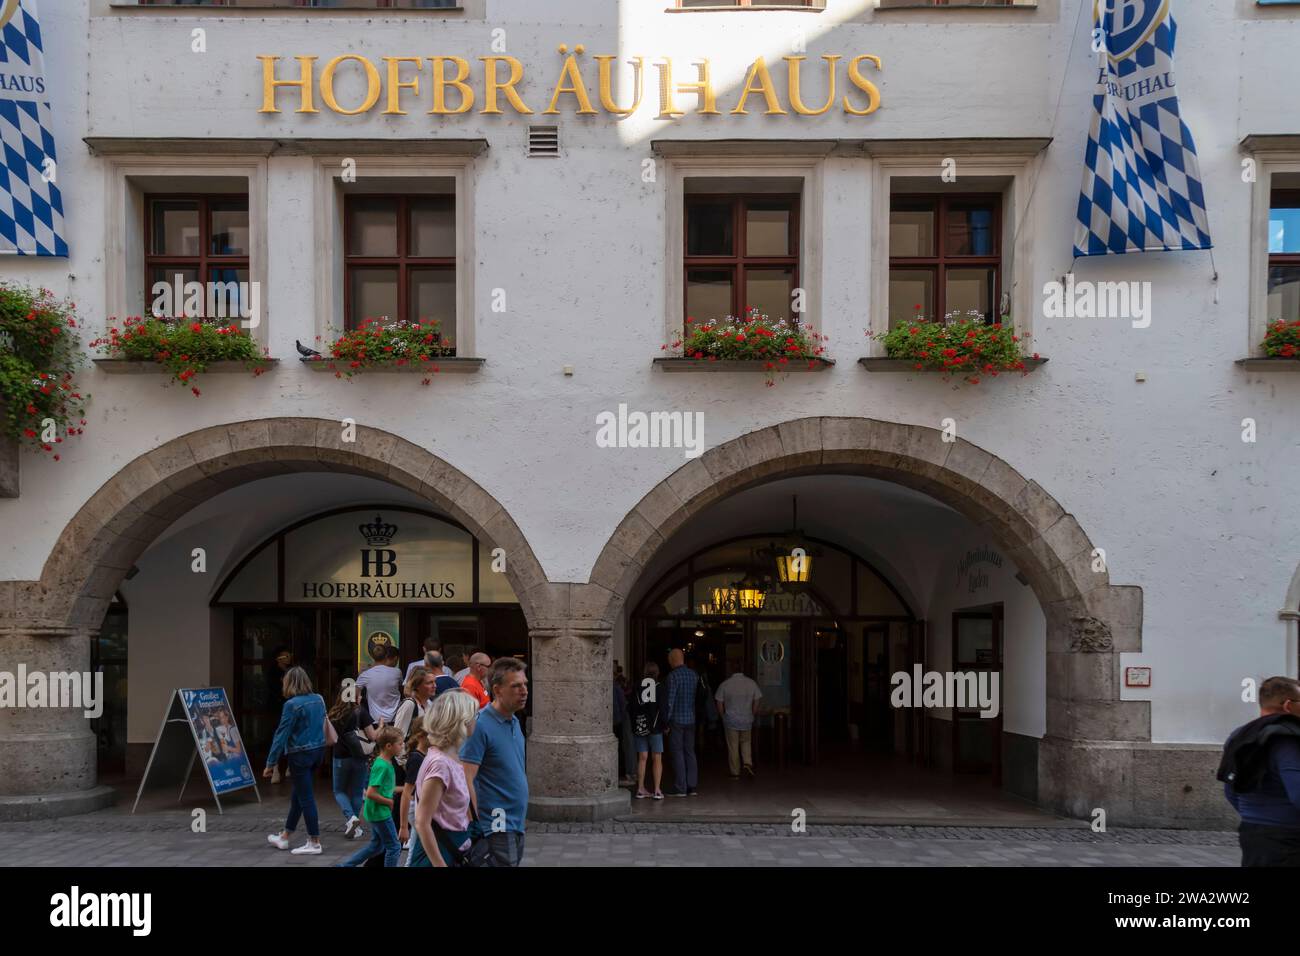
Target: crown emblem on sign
[378,533]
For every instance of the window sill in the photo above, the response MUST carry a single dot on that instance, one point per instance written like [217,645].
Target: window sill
[789,8]
[453,364]
[955,6]
[1269,364]
[116,366]
[907,365]
[740,365]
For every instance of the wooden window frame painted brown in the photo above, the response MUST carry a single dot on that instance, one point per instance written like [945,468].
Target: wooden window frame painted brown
[402,261]
[941,261]
[738,262]
[205,260]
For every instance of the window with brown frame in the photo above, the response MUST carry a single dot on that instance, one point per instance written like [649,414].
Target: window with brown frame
[945,257]
[400,259]
[195,238]
[742,254]
[1284,255]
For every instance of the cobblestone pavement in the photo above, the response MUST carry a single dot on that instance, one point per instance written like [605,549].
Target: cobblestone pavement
[165,839]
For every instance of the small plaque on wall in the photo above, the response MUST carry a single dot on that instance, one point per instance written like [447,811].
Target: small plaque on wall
[1137,677]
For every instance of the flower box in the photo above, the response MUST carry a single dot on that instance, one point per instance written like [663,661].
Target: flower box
[1281,348]
[378,345]
[183,348]
[886,364]
[40,353]
[1270,364]
[122,366]
[755,343]
[964,346]
[449,364]
[740,365]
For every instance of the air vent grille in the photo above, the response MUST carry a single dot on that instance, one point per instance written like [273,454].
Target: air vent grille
[544,141]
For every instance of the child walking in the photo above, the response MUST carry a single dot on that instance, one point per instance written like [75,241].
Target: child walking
[378,808]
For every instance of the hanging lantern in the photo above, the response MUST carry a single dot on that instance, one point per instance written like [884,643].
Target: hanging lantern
[792,558]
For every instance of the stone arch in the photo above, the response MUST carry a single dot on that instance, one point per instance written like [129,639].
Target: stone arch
[115,526]
[1091,732]
[46,624]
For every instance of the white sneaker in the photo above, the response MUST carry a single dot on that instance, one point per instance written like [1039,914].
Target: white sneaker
[358,833]
[350,829]
[277,841]
[275,775]
[306,849]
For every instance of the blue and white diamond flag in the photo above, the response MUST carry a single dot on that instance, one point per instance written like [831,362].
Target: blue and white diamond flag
[1141,181]
[31,208]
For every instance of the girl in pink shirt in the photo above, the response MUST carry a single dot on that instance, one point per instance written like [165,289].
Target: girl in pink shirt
[441,793]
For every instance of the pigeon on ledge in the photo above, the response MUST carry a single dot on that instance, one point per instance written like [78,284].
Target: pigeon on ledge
[306,352]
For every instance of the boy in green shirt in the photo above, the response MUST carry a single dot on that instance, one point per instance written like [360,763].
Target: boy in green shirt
[378,808]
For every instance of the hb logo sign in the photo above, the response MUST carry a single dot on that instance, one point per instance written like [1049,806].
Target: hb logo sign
[378,561]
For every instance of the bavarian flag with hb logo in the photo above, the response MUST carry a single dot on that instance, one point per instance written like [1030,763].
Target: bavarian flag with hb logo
[1141,181]
[31,208]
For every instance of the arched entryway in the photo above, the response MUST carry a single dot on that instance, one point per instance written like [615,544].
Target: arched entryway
[1094,740]
[50,625]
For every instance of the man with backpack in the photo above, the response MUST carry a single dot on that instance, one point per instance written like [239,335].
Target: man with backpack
[683,686]
[1261,777]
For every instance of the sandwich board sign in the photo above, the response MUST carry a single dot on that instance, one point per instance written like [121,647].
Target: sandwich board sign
[200,725]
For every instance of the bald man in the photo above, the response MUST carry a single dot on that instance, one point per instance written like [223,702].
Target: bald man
[479,665]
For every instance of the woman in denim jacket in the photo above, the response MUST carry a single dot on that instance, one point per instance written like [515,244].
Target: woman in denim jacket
[301,739]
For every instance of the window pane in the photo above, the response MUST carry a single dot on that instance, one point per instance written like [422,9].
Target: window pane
[433,229]
[229,227]
[176,228]
[165,304]
[969,290]
[708,294]
[911,296]
[767,229]
[433,298]
[1284,293]
[372,228]
[969,230]
[769,291]
[374,295]
[228,294]
[710,228]
[1284,230]
[911,232]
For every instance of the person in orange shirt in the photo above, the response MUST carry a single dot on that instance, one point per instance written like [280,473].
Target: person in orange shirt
[479,664]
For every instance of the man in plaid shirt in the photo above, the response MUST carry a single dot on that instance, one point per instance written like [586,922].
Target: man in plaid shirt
[682,685]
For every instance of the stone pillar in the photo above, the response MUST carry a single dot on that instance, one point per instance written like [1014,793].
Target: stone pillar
[47,755]
[572,755]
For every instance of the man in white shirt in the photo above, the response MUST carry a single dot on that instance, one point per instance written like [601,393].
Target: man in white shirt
[738,699]
[383,683]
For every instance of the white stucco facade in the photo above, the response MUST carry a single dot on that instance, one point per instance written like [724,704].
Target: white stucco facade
[1137,433]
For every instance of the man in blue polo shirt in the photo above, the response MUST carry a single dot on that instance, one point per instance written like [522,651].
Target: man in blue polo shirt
[494,768]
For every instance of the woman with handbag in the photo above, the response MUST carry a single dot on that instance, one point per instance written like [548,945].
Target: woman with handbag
[350,764]
[442,805]
[300,737]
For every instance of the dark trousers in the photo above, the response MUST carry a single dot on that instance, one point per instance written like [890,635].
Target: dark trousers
[1269,846]
[302,802]
[681,747]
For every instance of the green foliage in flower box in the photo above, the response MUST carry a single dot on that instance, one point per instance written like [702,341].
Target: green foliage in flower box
[184,347]
[40,352]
